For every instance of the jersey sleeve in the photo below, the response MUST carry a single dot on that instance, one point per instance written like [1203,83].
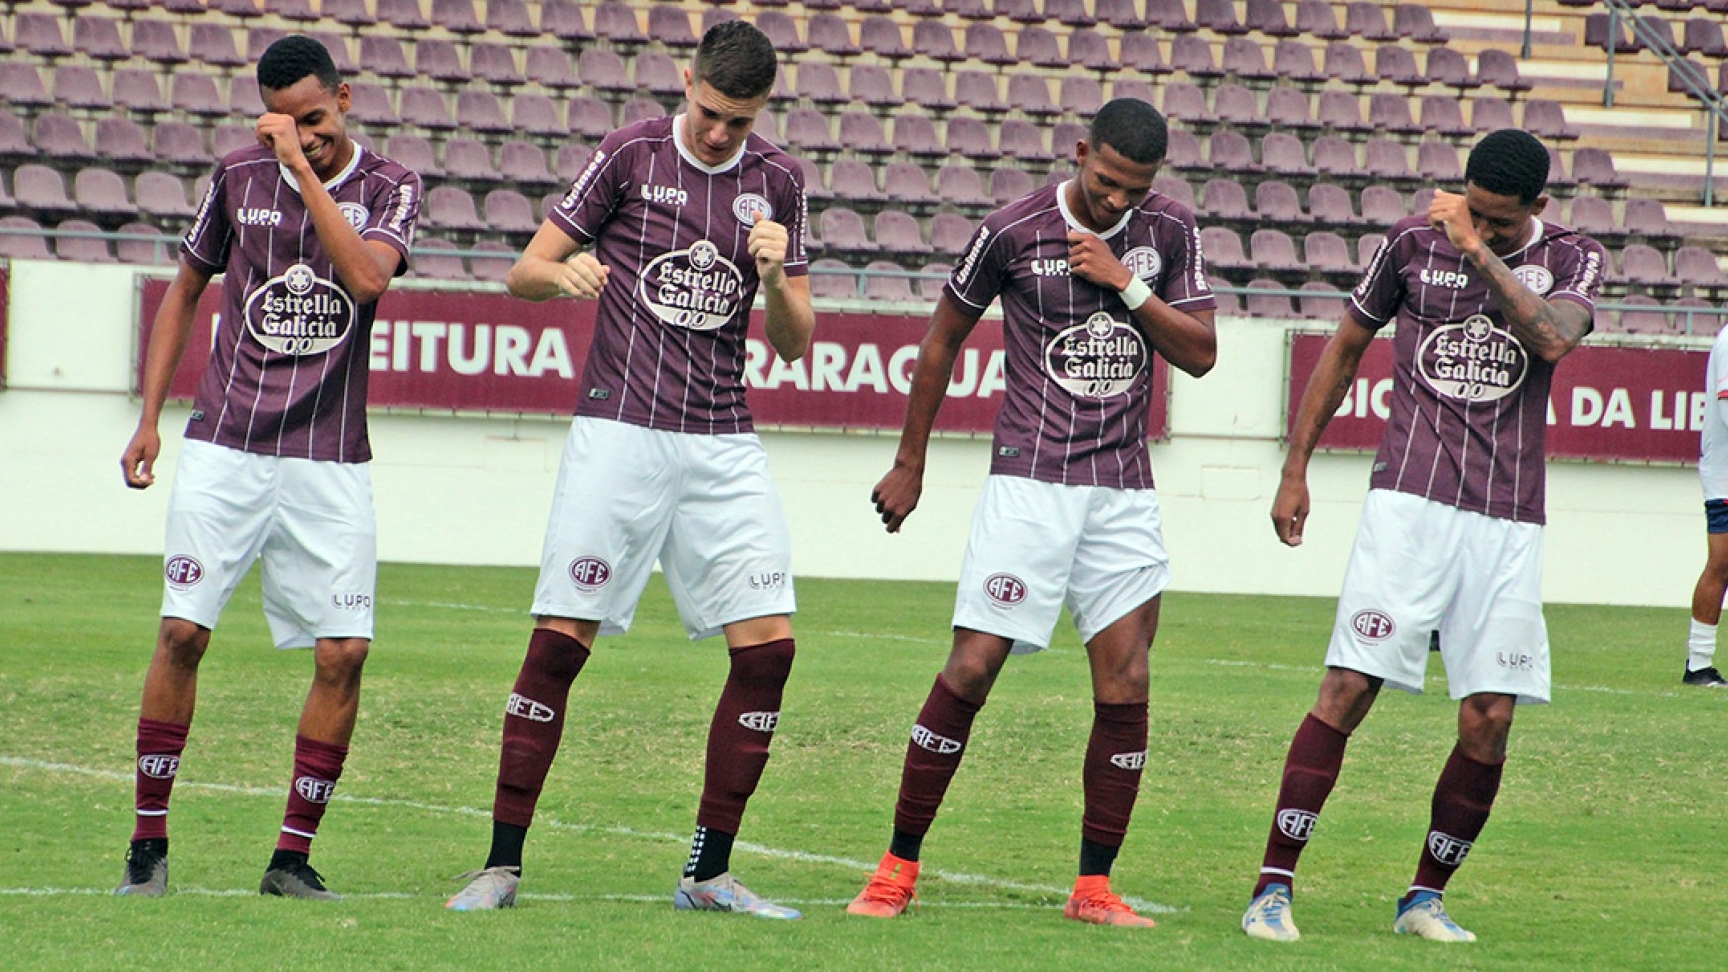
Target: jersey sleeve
[1578,272]
[597,191]
[1185,284]
[1381,290]
[795,205]
[207,241]
[983,270]
[395,211]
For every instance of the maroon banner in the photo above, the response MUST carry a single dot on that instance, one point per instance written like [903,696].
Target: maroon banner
[487,352]
[1608,403]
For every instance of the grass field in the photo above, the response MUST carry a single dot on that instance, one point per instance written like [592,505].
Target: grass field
[1599,856]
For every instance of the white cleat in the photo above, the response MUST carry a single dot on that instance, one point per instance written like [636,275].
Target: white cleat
[1425,917]
[724,893]
[1268,916]
[487,890]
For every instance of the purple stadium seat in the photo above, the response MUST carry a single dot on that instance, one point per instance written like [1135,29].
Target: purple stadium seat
[1192,54]
[369,105]
[1367,245]
[259,39]
[1284,154]
[78,86]
[431,260]
[1499,69]
[383,56]
[1592,215]
[1223,248]
[861,132]
[549,67]
[815,188]
[60,137]
[969,138]
[807,129]
[1183,150]
[641,109]
[1031,142]
[1336,156]
[157,249]
[1071,13]
[854,181]
[1169,15]
[1019,11]
[41,189]
[833,279]
[1340,111]
[827,32]
[1490,114]
[670,25]
[180,143]
[98,38]
[21,239]
[1367,21]
[1184,102]
[1218,16]
[915,134]
[1438,162]
[1331,204]
[1391,113]
[843,231]
[1685,70]
[927,87]
[907,184]
[1595,167]
[1547,119]
[563,19]
[984,42]
[1277,201]
[1174,187]
[536,115]
[882,36]
[1294,60]
[1448,67]
[1662,31]
[897,232]
[80,248]
[480,111]
[440,60]
[1343,62]
[1125,15]
[935,39]
[1030,94]
[524,163]
[1008,184]
[1289,108]
[235,8]
[465,158]
[869,84]
[162,196]
[1700,316]
[426,108]
[658,74]
[1132,88]
[1080,97]
[451,208]
[122,140]
[1652,321]
[1319,301]
[225,140]
[40,34]
[1325,250]
[1267,17]
[1273,306]
[496,262]
[138,91]
[1319,18]
[1228,304]
[949,233]
[573,157]
[1089,49]
[1697,267]
[1643,264]
[818,83]
[101,191]
[509,17]
[968,9]
[352,13]
[244,99]
[603,70]
[1444,115]
[1416,22]
[508,211]
[1384,158]
[781,30]
[1245,59]
[887,282]
[1234,104]
[1224,199]
[960,185]
[1646,217]
[980,91]
[1228,151]
[1704,36]
[616,22]
[1398,65]
[1140,51]
[1036,45]
[1383,205]
[215,44]
[495,64]
[1067,135]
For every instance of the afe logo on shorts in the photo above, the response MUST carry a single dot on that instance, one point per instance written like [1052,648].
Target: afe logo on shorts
[299,312]
[1098,359]
[759,721]
[1473,360]
[1372,625]
[751,209]
[1536,277]
[1129,761]
[314,789]
[1297,824]
[1448,849]
[590,573]
[1005,589]
[183,572]
[696,288]
[159,767]
[355,214]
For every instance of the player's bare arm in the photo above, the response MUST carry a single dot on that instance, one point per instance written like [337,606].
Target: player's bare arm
[789,320]
[1550,329]
[365,267]
[896,496]
[555,265]
[168,337]
[1327,386]
[1187,341]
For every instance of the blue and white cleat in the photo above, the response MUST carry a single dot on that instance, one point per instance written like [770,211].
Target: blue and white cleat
[1268,916]
[1423,915]
[724,893]
[487,890]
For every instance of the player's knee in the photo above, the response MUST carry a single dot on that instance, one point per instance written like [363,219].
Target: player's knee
[341,659]
[183,642]
[764,666]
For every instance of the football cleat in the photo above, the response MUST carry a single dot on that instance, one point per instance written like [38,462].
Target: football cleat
[890,891]
[146,869]
[1268,916]
[296,879]
[487,889]
[1093,902]
[1707,677]
[1423,915]
[724,893]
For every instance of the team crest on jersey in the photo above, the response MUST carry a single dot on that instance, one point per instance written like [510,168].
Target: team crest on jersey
[1473,360]
[695,288]
[299,312]
[1098,359]
[1144,262]
[355,214]
[1536,277]
[751,208]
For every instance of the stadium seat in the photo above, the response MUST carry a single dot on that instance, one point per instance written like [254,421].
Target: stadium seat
[1491,114]
[572,159]
[1289,108]
[984,42]
[969,138]
[1192,55]
[1019,11]
[882,37]
[1225,199]
[1126,15]
[156,40]
[244,100]
[589,117]
[1008,184]
[426,108]
[1030,94]
[1293,60]
[815,187]
[236,8]
[495,64]
[935,39]
[524,163]
[616,22]
[1319,18]
[563,19]
[658,74]
[1643,264]
[510,18]
[81,248]
[828,33]
[1391,113]
[1499,69]
[1438,162]
[669,25]
[152,248]
[1652,321]
[40,34]
[439,60]
[980,91]
[1267,17]
[1132,88]
[259,39]
[478,110]
[926,87]
[431,260]
[179,143]
[1319,301]
[950,233]
[1176,188]
[101,191]
[1185,103]
[1595,167]
[1547,119]
[1228,303]
[536,115]
[1646,217]
[1367,21]
[1343,62]
[1383,206]
[807,129]
[1245,60]
[915,135]
[1398,66]
[1235,105]
[1284,154]
[78,86]
[1416,22]
[225,140]
[1331,204]
[1140,51]
[98,38]
[642,109]
[833,279]
[1443,115]
[508,211]
[162,196]
[843,231]
[1703,35]
[369,105]
[1336,156]
[383,55]
[854,181]
[1273,250]
[861,132]
[1031,142]
[415,153]
[122,140]
[1327,251]
[451,208]
[39,188]
[1703,317]
[818,83]
[1169,15]
[897,232]
[1037,45]
[1592,215]
[1228,151]
[61,138]
[1367,245]
[1275,306]
[869,84]
[1090,49]
[21,239]
[1277,201]
[1182,151]
[21,84]
[1070,13]
[1218,16]
[960,185]
[908,184]
[968,9]
[1341,111]
[603,70]
[1447,66]
[214,44]
[782,31]
[1697,267]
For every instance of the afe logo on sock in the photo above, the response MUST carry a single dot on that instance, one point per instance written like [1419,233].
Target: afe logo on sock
[1297,824]
[159,767]
[313,789]
[759,721]
[1447,849]
[1129,761]
[940,745]
[526,708]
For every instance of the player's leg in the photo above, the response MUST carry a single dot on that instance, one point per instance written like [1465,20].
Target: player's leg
[1707,602]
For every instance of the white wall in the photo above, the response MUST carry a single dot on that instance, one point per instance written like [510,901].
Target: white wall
[475,490]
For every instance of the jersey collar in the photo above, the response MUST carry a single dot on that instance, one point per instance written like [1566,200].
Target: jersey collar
[690,157]
[1074,223]
[331,183]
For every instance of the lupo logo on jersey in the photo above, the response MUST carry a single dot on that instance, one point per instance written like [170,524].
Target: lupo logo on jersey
[695,288]
[1473,360]
[590,573]
[299,312]
[1098,359]
[1005,589]
[183,571]
[1372,625]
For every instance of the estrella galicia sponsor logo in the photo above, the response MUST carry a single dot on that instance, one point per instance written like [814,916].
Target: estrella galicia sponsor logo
[1098,359]
[1538,278]
[355,214]
[1297,824]
[1473,361]
[1372,625]
[1144,262]
[759,721]
[751,208]
[523,707]
[183,571]
[1005,589]
[299,313]
[313,789]
[768,580]
[1516,661]
[590,573]
[1129,761]
[940,745]
[1448,849]
[695,288]
[253,216]
[159,766]
[351,602]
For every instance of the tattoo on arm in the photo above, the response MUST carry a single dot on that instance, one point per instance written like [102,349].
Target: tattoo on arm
[1548,329]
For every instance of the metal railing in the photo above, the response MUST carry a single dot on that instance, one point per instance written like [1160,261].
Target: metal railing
[1679,68]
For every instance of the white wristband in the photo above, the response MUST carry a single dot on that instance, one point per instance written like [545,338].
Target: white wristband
[1136,293]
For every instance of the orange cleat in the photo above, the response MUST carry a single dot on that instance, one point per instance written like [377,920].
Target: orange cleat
[1094,902]
[890,889]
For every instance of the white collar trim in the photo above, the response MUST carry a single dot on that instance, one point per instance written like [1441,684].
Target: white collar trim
[1069,218]
[690,157]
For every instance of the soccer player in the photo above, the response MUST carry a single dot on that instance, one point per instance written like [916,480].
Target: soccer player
[1713,473]
[674,226]
[1487,298]
[1095,275]
[307,229]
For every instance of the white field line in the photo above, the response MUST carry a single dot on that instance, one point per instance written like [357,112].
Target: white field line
[803,857]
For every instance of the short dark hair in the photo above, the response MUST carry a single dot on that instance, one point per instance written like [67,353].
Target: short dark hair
[737,59]
[294,57]
[1509,162]
[1133,128]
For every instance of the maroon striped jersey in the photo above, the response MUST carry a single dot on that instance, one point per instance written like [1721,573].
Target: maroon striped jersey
[1079,376]
[668,349]
[1469,401]
[288,367]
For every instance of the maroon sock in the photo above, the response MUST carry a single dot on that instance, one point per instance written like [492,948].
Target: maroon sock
[1310,770]
[317,767]
[534,723]
[159,747]
[932,756]
[1462,799]
[1115,757]
[742,728]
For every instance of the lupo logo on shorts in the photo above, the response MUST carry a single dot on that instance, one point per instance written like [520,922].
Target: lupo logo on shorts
[590,573]
[183,571]
[1005,589]
[1372,625]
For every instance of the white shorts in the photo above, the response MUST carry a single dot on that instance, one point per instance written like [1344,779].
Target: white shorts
[1036,545]
[1420,566]
[702,504]
[311,522]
